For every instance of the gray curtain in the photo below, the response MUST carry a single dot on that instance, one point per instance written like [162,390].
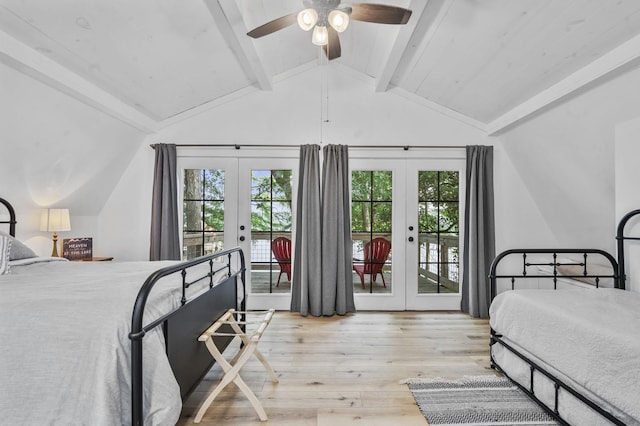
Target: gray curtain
[479,235]
[337,279]
[306,291]
[165,239]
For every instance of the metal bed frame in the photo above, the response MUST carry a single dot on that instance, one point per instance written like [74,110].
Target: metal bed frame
[12,217]
[190,360]
[530,258]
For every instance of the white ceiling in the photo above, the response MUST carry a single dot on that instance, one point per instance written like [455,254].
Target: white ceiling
[491,62]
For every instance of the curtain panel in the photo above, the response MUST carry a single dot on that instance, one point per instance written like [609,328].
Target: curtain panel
[165,238]
[337,250]
[306,291]
[479,236]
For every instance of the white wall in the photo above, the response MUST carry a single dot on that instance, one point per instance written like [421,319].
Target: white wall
[554,179]
[627,175]
[554,176]
[57,151]
[290,114]
[563,161]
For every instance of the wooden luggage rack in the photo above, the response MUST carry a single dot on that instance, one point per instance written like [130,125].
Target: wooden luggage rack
[248,348]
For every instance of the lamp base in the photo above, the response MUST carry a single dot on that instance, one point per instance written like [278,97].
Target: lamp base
[54,253]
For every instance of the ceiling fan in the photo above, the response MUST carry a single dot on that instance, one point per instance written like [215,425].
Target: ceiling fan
[327,18]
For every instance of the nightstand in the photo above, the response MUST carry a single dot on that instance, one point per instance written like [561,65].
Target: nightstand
[93,259]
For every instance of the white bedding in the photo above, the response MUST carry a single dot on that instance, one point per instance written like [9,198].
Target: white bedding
[65,357]
[591,336]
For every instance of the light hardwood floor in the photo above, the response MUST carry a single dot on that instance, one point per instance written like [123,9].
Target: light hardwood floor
[348,370]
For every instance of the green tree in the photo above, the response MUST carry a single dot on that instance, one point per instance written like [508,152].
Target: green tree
[371,194]
[438,198]
[203,194]
[271,200]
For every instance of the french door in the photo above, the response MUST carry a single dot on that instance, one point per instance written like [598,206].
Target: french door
[416,205]
[413,204]
[245,202]
[266,188]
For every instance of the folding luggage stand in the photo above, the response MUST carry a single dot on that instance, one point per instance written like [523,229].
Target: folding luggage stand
[232,369]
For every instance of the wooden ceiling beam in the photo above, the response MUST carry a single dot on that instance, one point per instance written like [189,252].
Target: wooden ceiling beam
[400,45]
[229,22]
[427,26]
[26,60]
[611,61]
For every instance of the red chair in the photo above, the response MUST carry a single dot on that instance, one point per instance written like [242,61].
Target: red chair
[376,252]
[281,248]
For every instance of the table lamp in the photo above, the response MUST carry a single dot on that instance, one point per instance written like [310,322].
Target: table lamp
[54,220]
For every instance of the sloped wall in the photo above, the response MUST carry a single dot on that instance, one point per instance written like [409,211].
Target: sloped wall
[56,151]
[564,156]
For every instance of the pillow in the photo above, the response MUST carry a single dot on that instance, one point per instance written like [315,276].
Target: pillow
[5,249]
[18,249]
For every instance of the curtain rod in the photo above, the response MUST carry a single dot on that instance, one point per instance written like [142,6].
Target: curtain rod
[239,146]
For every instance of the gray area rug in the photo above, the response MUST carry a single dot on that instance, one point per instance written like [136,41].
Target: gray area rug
[476,400]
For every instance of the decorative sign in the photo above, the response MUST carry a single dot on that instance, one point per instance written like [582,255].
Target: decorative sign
[77,248]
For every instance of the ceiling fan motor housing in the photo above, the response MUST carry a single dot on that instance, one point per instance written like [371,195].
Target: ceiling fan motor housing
[323,7]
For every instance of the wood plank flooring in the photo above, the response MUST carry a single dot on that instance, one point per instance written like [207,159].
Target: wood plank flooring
[347,370]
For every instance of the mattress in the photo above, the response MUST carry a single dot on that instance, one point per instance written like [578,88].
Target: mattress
[65,355]
[590,337]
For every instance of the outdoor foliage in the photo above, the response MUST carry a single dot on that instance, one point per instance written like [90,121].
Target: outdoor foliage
[438,201]
[271,200]
[371,195]
[203,194]
[372,200]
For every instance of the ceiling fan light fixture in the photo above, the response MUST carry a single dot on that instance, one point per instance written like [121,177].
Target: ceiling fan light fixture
[320,35]
[339,20]
[307,19]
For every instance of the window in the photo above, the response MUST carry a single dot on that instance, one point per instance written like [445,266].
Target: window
[371,217]
[203,212]
[438,208]
[271,218]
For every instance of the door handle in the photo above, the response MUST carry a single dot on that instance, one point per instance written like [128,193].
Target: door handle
[241,238]
[410,239]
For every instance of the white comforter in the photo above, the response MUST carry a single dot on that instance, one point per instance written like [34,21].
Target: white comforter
[65,355]
[591,336]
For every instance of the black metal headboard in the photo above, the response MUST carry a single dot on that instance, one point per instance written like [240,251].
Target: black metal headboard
[621,237]
[12,217]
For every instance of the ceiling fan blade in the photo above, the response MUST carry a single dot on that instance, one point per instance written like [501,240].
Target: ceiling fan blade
[273,26]
[332,48]
[379,13]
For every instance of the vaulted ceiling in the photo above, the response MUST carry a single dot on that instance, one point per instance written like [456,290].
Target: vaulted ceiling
[489,62]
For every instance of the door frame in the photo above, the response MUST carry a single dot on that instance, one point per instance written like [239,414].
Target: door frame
[431,301]
[231,160]
[279,301]
[395,299]
[407,298]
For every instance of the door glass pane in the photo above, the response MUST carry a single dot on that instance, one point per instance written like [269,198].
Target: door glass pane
[438,233]
[203,212]
[271,221]
[371,218]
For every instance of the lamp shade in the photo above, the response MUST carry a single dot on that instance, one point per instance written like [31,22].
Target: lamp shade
[307,19]
[320,35]
[54,220]
[339,20]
